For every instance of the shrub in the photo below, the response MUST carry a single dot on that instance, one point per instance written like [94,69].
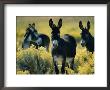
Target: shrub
[39,61]
[36,61]
[84,61]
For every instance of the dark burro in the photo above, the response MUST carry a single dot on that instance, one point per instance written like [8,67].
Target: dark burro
[33,37]
[87,38]
[64,47]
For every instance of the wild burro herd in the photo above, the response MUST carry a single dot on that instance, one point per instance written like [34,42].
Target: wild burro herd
[64,47]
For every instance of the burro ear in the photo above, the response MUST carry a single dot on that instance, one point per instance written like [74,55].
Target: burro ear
[59,23]
[51,23]
[80,25]
[88,25]
[29,25]
[33,24]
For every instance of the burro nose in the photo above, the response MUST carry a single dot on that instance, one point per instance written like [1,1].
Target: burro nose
[55,43]
[39,41]
[82,43]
